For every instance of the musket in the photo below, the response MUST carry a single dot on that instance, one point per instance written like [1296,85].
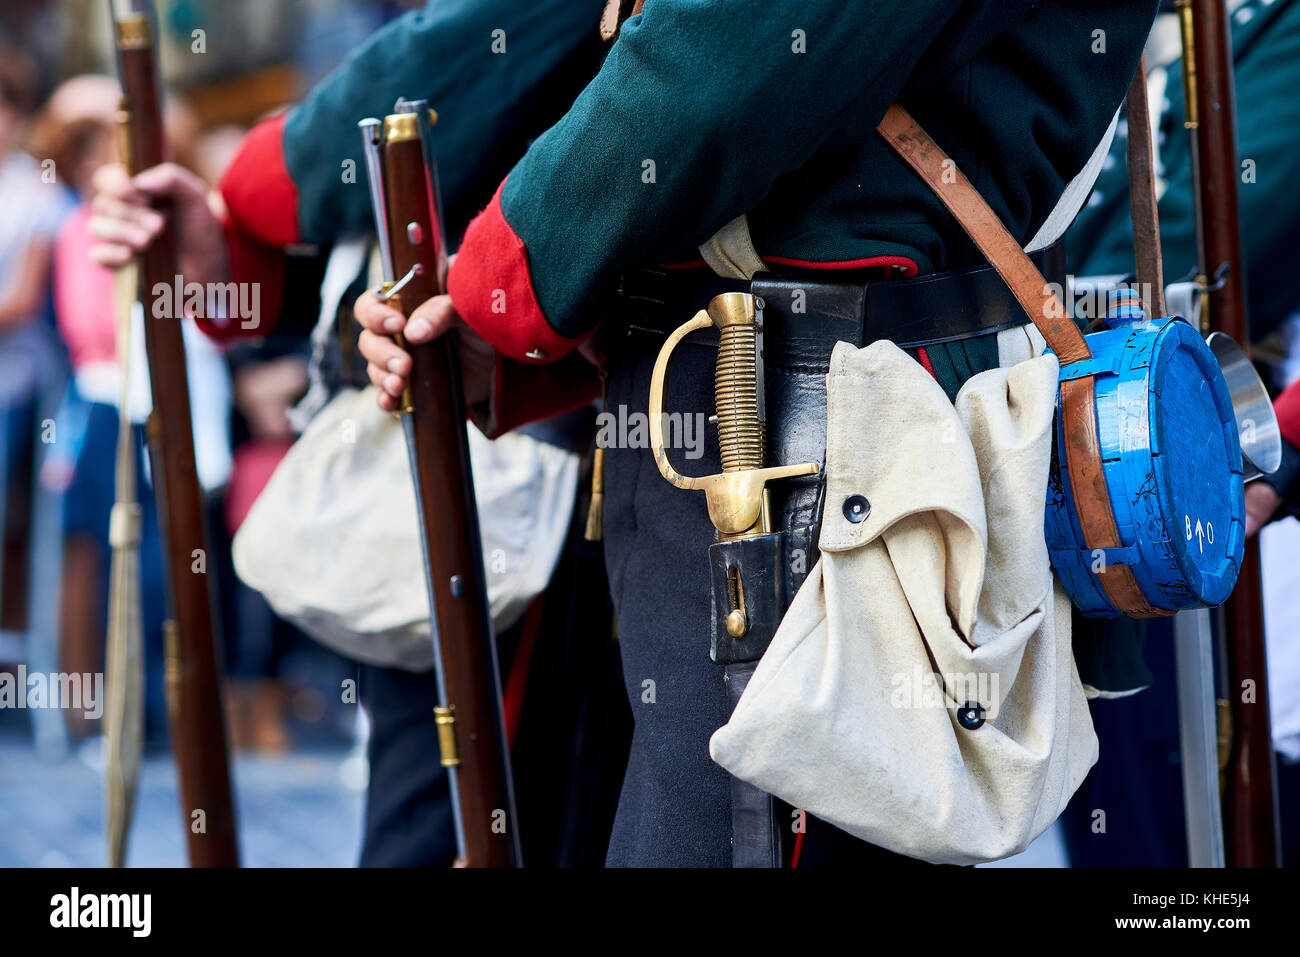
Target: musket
[403,176]
[1250,786]
[192,666]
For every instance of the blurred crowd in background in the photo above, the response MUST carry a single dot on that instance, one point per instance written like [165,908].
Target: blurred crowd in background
[59,376]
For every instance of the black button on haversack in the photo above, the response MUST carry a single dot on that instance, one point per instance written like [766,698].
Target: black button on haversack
[856,508]
[970,716]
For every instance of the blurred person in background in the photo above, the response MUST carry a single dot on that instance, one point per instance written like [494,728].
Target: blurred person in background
[31,362]
[269,377]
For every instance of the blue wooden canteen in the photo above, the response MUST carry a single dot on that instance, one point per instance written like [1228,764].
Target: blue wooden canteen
[1172,460]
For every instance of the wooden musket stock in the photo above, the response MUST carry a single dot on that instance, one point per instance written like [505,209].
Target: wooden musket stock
[472,729]
[194,691]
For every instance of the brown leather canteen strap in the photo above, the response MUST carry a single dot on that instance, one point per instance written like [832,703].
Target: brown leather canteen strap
[616,13]
[1142,196]
[1082,450]
[1092,496]
[999,247]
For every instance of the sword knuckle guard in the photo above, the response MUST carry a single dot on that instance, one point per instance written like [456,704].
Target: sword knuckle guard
[737,497]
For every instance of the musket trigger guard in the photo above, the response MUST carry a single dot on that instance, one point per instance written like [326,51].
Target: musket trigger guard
[388,290]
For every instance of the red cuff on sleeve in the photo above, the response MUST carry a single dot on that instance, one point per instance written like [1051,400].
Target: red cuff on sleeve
[262,216]
[258,190]
[527,393]
[492,289]
[1287,408]
[252,265]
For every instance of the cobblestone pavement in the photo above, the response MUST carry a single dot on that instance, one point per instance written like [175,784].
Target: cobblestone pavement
[299,810]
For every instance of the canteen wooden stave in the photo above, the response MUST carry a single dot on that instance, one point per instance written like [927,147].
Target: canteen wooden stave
[1173,467]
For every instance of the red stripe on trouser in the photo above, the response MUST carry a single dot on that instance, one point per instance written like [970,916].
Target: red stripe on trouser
[517,682]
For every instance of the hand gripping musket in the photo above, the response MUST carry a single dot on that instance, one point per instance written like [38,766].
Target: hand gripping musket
[745,564]
[408,218]
[192,669]
[1250,785]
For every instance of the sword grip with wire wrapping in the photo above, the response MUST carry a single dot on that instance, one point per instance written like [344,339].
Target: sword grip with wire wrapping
[740,430]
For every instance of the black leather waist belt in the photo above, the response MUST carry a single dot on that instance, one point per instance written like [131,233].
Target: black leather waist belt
[821,306]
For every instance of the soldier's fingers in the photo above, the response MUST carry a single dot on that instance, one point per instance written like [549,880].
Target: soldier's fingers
[114,180]
[431,320]
[138,214]
[111,255]
[383,353]
[121,232]
[383,398]
[391,385]
[376,316]
[170,179]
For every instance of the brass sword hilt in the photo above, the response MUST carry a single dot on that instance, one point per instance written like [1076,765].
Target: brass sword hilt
[737,497]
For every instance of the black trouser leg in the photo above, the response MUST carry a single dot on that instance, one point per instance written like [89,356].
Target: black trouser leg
[408,819]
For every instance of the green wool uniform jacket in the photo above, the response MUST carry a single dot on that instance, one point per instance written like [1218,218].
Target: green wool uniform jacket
[708,109]
[499,71]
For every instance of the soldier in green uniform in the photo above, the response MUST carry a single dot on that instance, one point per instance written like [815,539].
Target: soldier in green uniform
[502,74]
[703,113]
[1145,827]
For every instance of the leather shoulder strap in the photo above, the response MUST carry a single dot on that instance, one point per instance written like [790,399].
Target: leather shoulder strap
[1142,196]
[999,247]
[979,221]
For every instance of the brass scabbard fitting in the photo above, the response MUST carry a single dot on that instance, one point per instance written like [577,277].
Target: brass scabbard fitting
[737,497]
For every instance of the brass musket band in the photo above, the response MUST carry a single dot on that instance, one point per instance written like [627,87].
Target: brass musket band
[400,127]
[134,32]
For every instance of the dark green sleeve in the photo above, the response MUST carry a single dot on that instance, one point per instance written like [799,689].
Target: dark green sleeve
[498,72]
[699,108]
